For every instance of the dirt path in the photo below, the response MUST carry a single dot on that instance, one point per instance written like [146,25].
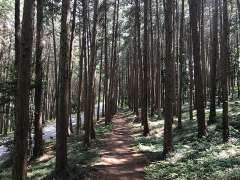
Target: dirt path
[119,161]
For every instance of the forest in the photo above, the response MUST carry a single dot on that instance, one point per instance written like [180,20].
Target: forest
[120,89]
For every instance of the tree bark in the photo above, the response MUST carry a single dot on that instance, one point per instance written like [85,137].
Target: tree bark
[212,116]
[151,64]
[199,97]
[137,55]
[38,141]
[55,64]
[62,118]
[100,82]
[169,84]
[17,49]
[145,72]
[191,83]
[80,74]
[17,32]
[113,65]
[181,59]
[23,90]
[203,58]
[105,61]
[90,88]
[70,65]
[225,69]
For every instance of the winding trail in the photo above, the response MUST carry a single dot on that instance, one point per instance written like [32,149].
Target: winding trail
[119,161]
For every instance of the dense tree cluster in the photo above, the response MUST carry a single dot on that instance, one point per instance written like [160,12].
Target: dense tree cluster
[59,58]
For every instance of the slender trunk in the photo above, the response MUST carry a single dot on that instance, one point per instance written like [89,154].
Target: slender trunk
[100,83]
[212,116]
[80,74]
[136,61]
[152,63]
[17,49]
[181,59]
[62,118]
[225,69]
[203,58]
[145,72]
[199,98]
[170,85]
[70,66]
[23,90]
[91,85]
[84,51]
[158,61]
[38,141]
[191,84]
[55,65]
[17,35]
[105,60]
[113,64]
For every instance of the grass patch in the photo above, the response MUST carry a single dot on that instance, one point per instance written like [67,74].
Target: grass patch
[79,158]
[193,158]
[102,129]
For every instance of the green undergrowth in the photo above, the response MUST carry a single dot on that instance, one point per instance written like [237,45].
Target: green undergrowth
[4,139]
[102,128]
[192,158]
[7,140]
[80,158]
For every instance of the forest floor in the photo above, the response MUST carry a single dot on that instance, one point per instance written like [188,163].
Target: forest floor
[207,158]
[121,152]
[49,132]
[118,158]
[80,158]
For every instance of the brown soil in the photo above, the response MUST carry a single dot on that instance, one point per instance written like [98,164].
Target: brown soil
[119,160]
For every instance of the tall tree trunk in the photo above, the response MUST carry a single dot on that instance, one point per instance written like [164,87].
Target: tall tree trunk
[181,59]
[158,60]
[91,86]
[70,65]
[191,83]
[38,141]
[203,58]
[55,64]
[170,85]
[80,74]
[84,51]
[194,7]
[17,32]
[145,71]
[111,70]
[225,69]
[105,60]
[23,90]
[151,63]
[212,116]
[113,64]
[17,49]
[100,83]
[62,118]
[136,69]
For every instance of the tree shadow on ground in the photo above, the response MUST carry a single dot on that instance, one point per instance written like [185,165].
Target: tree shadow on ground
[191,151]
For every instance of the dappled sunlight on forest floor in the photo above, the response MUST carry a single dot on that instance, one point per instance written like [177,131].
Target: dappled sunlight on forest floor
[79,158]
[118,158]
[121,152]
[193,158]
